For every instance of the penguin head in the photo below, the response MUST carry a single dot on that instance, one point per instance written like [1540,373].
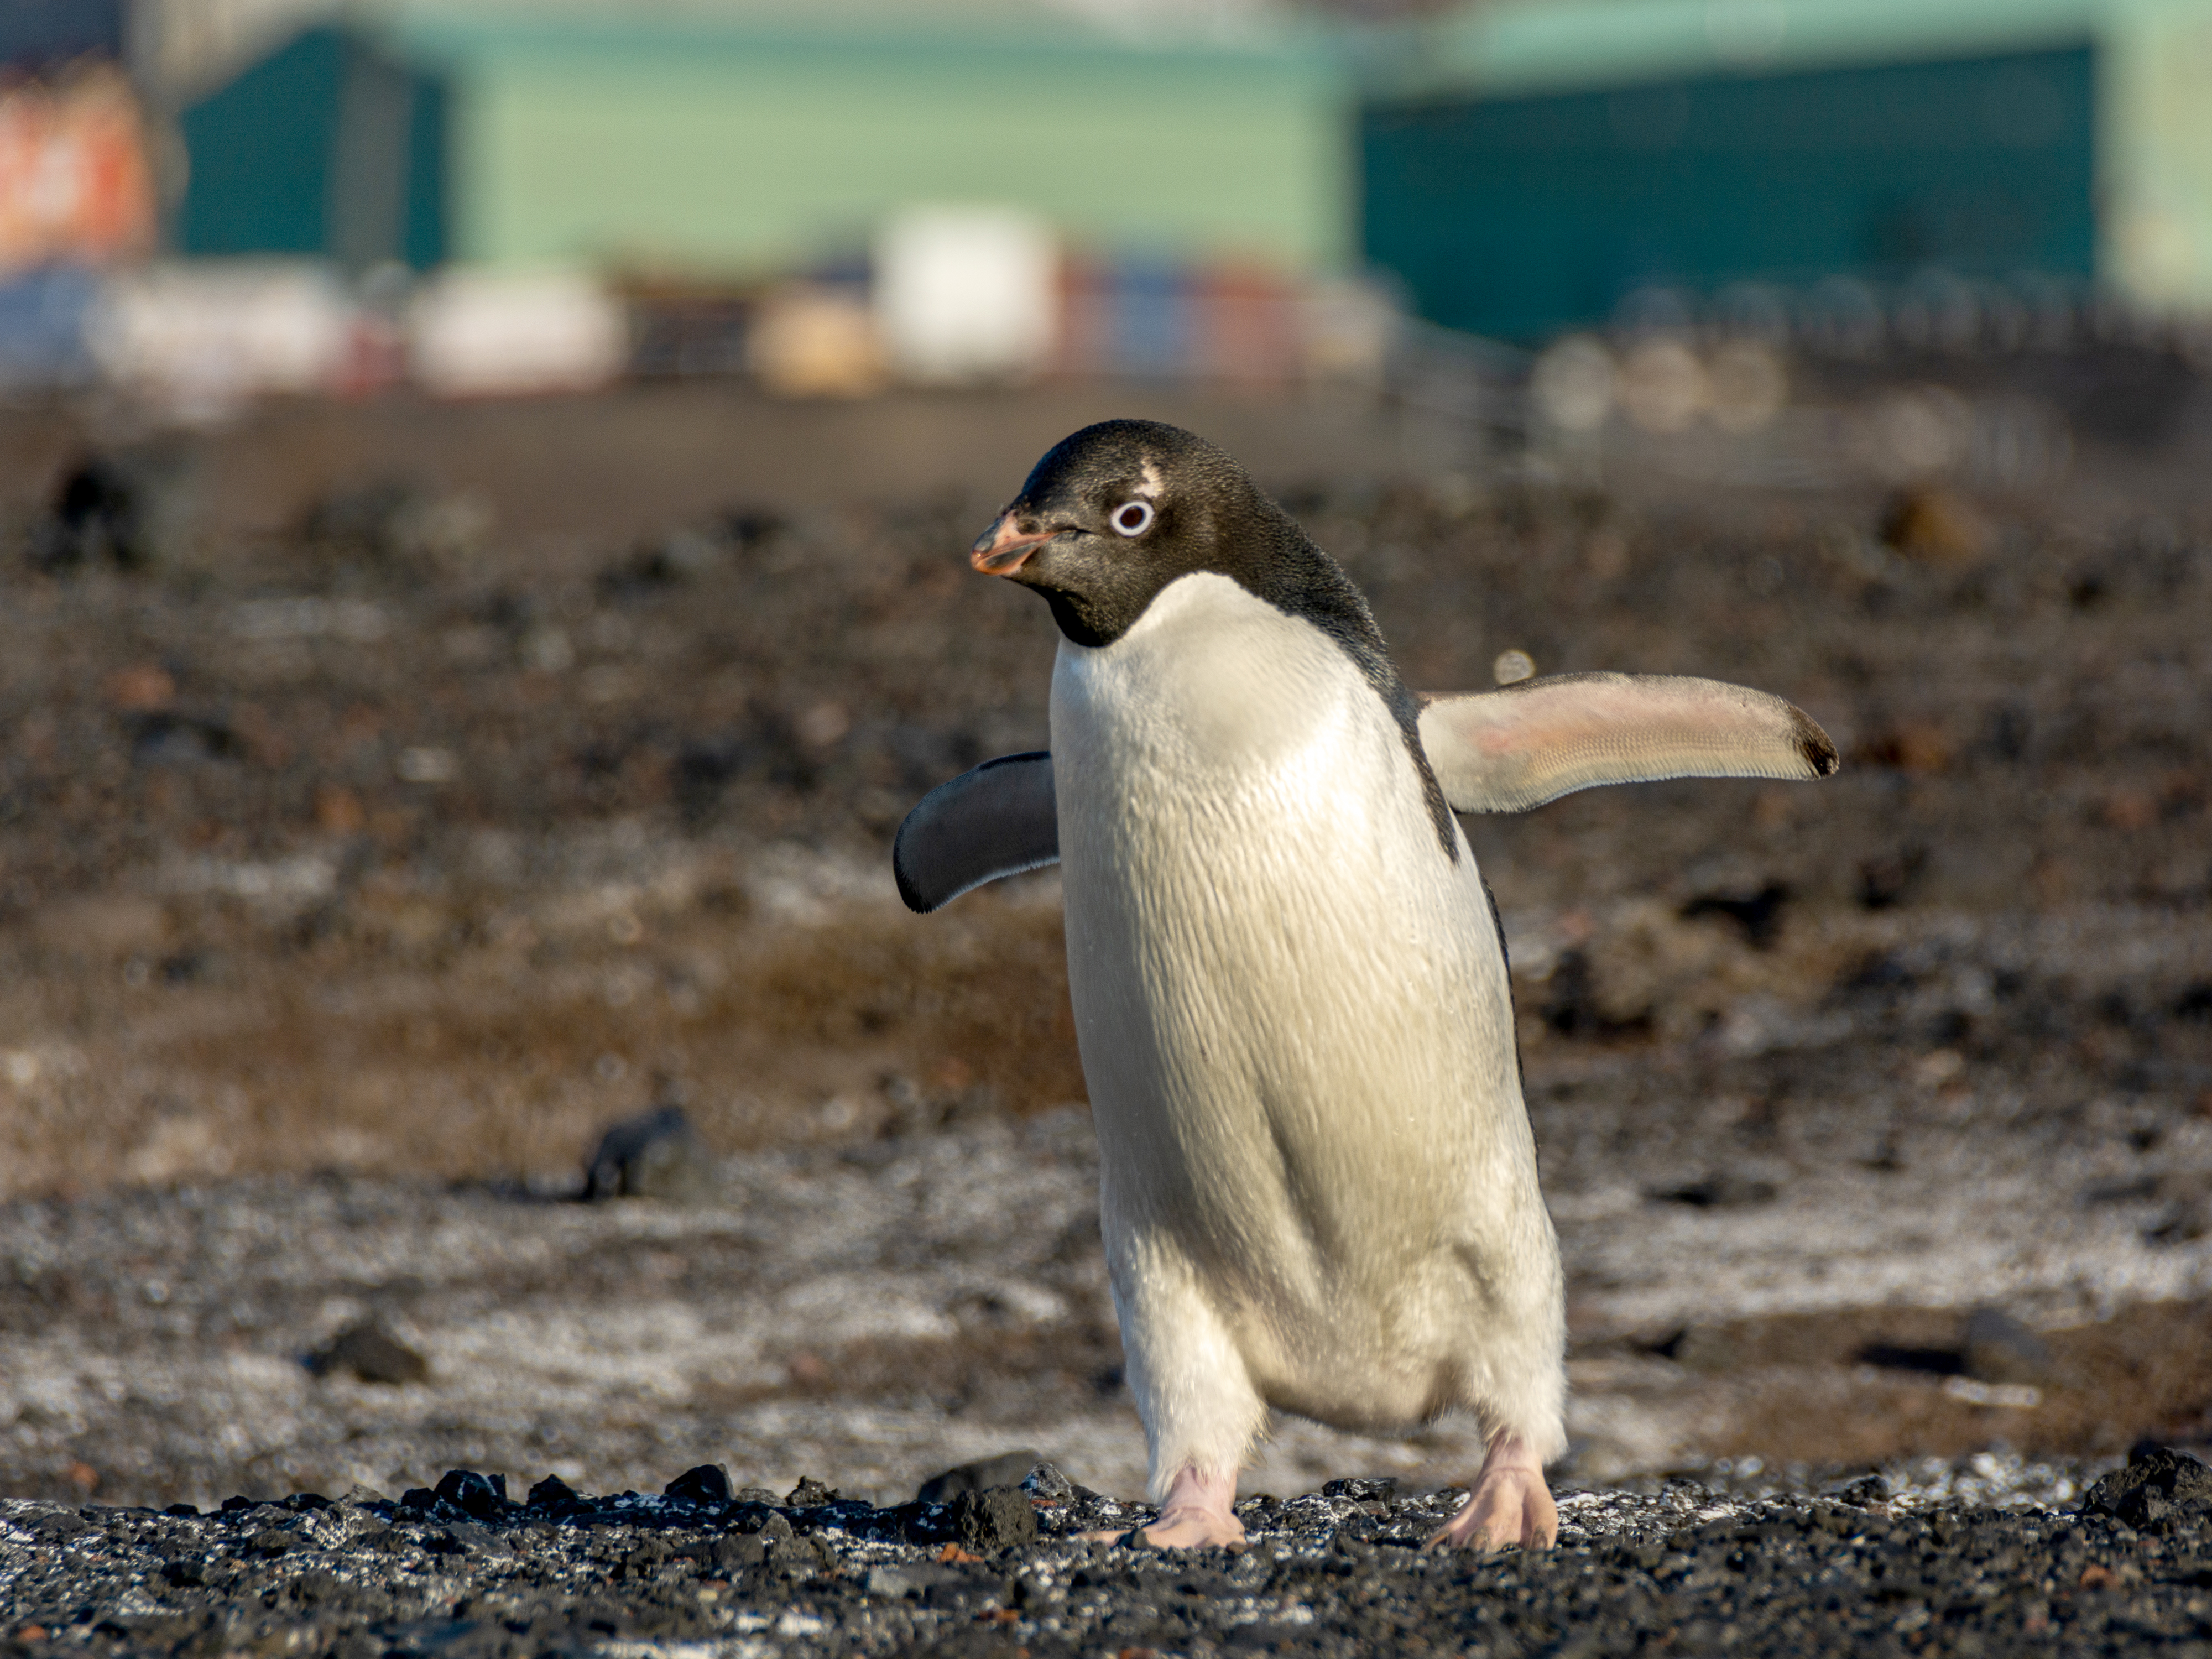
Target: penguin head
[1114,512]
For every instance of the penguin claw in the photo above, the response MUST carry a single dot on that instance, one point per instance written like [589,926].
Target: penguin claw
[1507,1507]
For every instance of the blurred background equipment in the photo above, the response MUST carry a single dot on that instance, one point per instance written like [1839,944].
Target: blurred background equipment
[75,184]
[843,198]
[204,337]
[42,342]
[475,332]
[816,340]
[964,295]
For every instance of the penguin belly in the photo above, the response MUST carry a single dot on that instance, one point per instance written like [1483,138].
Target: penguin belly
[1319,1184]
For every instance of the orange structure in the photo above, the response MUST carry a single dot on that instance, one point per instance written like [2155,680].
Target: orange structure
[75,186]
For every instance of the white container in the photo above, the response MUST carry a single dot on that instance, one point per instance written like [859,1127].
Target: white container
[966,295]
[208,336]
[491,333]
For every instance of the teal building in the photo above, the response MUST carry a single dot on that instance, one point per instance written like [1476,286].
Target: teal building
[332,146]
[1532,164]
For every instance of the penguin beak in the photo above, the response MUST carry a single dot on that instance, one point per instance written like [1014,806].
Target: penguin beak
[1002,549]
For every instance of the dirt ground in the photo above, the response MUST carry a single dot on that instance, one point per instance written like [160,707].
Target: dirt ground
[405,792]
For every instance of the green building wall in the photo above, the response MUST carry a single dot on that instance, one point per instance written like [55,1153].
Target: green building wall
[2156,207]
[723,151]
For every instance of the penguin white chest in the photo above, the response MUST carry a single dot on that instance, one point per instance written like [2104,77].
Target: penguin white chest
[1216,687]
[1289,993]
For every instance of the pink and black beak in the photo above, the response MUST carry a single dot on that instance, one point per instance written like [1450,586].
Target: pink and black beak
[1005,547]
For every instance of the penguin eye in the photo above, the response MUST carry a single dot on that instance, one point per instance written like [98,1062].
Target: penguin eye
[1131,518]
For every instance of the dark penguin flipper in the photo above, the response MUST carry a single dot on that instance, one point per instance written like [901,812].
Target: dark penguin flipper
[998,820]
[1523,745]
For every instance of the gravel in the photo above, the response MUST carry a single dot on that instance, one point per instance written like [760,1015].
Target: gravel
[1967,1559]
[887,1309]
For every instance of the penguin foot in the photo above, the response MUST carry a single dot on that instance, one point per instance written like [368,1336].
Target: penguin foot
[1509,1503]
[1192,1529]
[1196,1515]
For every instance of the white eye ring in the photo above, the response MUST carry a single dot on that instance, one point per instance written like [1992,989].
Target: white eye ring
[1131,518]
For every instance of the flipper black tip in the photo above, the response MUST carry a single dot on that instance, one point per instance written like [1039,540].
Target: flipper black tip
[1814,744]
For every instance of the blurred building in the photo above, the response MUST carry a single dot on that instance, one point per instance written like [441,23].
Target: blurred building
[508,195]
[734,139]
[1531,164]
[830,194]
[333,145]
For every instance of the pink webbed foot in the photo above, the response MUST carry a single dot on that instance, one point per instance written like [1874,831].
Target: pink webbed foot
[1509,1503]
[1196,1515]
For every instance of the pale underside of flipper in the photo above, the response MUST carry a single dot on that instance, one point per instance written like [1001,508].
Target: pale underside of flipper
[998,819]
[1520,746]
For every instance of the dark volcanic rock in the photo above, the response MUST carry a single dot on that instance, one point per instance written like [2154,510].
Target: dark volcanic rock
[1046,1481]
[420,1501]
[999,1518]
[371,1353]
[2160,1491]
[549,1492]
[1005,1470]
[484,1495]
[1760,914]
[130,507]
[657,1155]
[708,1484]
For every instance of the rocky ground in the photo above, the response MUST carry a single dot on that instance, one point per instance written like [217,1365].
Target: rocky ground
[368,845]
[1048,1567]
[873,1311]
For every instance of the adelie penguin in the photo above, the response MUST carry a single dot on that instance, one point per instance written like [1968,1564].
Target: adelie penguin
[1318,1189]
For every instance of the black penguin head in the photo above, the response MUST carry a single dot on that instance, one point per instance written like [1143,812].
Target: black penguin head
[1114,512]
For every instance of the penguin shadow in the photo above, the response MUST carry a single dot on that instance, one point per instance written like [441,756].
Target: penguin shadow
[1991,1348]
[1724,1190]
[1928,1362]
